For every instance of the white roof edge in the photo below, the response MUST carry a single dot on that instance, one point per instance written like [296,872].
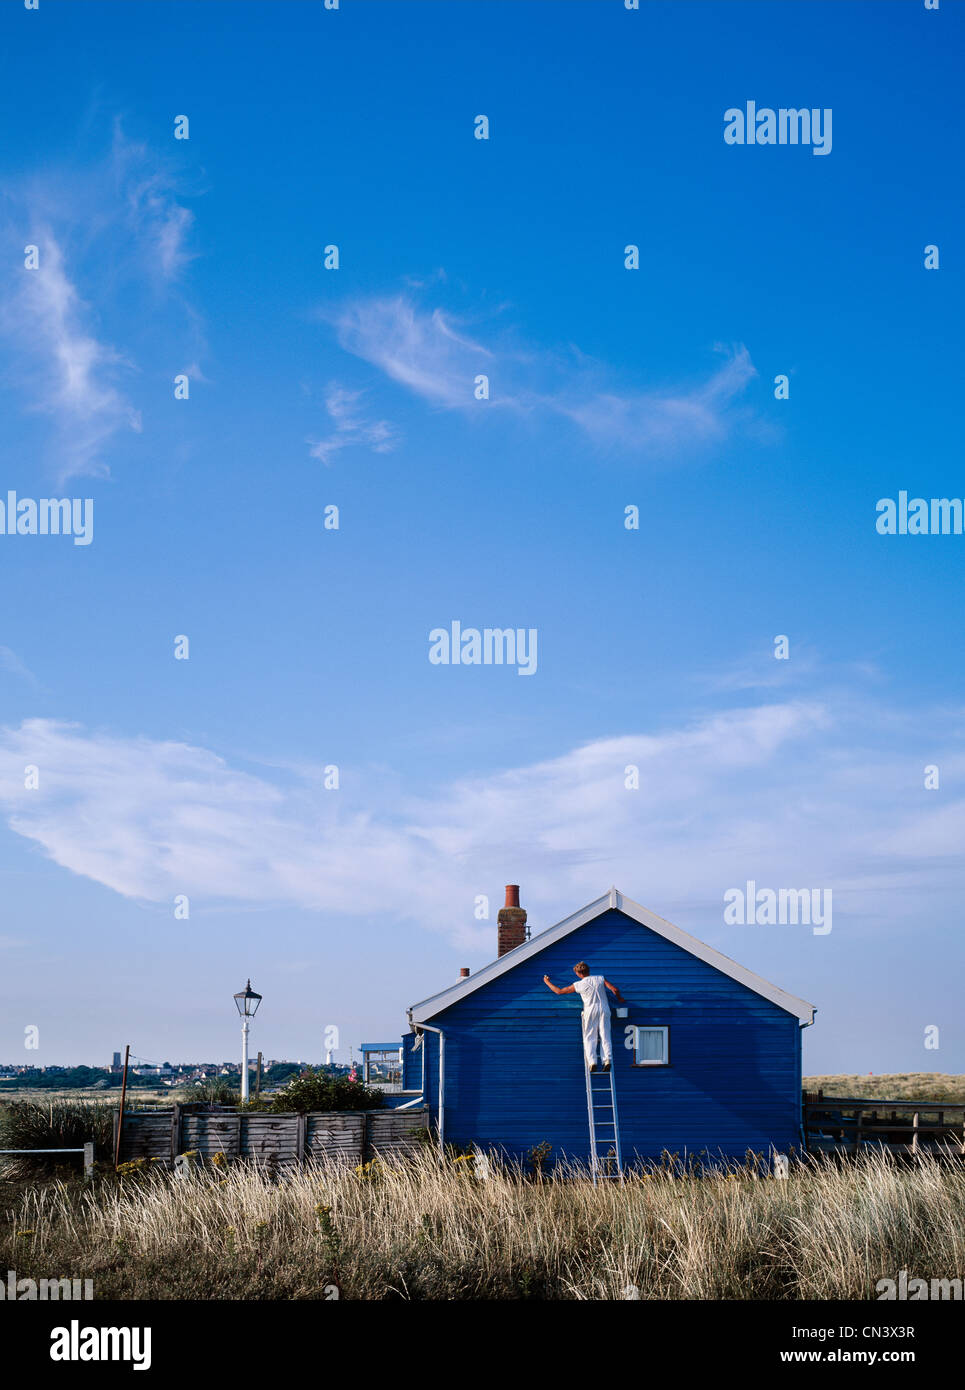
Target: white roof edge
[428,1008]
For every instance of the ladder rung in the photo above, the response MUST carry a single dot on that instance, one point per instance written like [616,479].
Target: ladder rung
[601,1099]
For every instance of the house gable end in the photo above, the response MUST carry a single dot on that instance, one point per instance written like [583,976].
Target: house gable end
[612,903]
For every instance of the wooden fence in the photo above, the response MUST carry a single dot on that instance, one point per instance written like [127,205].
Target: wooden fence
[840,1123]
[354,1136]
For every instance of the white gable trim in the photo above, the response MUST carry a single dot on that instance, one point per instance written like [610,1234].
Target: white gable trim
[428,1008]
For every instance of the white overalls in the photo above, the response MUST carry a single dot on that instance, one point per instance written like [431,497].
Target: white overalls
[596,1017]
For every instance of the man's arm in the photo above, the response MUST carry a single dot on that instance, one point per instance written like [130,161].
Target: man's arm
[613,990]
[567,989]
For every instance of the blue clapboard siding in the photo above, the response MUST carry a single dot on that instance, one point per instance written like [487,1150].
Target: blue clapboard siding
[411,1064]
[514,1063]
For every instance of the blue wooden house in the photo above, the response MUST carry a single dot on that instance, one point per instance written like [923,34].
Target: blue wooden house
[707,1056]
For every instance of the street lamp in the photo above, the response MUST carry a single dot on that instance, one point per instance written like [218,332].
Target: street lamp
[247,1001]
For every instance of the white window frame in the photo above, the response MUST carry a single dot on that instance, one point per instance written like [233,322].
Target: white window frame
[651,1028]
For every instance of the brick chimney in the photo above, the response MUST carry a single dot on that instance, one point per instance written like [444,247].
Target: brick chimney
[511,921]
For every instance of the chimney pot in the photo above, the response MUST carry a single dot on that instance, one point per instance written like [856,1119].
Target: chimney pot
[511,921]
[464,974]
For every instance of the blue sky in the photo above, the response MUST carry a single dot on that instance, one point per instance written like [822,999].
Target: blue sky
[354,387]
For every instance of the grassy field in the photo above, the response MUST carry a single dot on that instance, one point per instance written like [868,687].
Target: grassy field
[892,1086]
[152,1095]
[417,1231]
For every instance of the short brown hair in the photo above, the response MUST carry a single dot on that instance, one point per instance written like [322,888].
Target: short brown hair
[581,967]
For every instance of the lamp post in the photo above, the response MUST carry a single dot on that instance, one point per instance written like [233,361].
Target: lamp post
[247,1001]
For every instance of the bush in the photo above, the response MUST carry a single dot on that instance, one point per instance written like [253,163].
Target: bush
[216,1090]
[55,1124]
[316,1090]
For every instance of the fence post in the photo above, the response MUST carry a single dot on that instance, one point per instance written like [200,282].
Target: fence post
[89,1159]
[914,1133]
[175,1131]
[300,1138]
[120,1113]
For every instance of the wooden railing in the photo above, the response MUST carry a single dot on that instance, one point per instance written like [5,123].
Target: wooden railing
[852,1122]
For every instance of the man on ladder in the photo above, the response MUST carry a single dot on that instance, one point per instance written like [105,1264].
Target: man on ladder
[596,1011]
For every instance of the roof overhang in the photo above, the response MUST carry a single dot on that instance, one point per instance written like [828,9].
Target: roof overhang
[436,1003]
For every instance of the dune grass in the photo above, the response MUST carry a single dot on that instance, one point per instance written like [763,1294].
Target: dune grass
[411,1229]
[54,1123]
[415,1230]
[920,1085]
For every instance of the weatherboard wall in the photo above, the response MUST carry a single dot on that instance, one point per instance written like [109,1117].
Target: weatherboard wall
[514,1066]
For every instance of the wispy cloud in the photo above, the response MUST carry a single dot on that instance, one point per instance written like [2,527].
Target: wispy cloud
[113,240]
[154,214]
[665,420]
[352,428]
[785,793]
[438,358]
[762,670]
[422,350]
[74,379]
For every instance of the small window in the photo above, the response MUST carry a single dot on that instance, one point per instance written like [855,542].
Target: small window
[651,1047]
[382,1067]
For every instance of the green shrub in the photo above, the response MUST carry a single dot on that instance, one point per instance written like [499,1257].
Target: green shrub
[215,1090]
[316,1090]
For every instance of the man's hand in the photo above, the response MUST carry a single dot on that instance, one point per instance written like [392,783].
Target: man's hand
[567,989]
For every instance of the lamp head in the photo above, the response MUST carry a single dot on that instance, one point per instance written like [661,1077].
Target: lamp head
[247,1001]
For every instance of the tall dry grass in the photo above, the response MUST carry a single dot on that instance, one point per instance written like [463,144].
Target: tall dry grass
[920,1085]
[418,1231]
[53,1122]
